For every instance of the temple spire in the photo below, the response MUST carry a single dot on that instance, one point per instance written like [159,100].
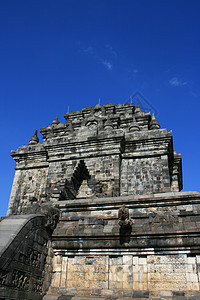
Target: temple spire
[56,122]
[34,139]
[154,124]
[138,109]
[134,125]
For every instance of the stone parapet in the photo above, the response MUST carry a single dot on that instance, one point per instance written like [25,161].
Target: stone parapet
[24,257]
[161,223]
[153,253]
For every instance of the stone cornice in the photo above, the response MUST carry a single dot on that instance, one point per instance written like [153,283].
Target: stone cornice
[152,200]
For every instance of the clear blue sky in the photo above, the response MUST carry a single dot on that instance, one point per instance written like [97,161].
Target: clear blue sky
[55,54]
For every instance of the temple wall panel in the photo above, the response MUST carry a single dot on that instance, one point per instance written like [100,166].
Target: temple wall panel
[29,186]
[144,176]
[157,275]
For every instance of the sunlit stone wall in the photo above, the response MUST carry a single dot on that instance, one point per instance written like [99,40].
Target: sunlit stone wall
[152,275]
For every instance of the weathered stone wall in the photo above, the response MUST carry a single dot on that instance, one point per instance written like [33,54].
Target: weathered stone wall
[173,217]
[157,257]
[125,229]
[144,176]
[29,185]
[103,171]
[148,276]
[26,253]
[117,150]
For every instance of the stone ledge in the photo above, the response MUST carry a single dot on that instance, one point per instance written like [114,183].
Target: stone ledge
[171,198]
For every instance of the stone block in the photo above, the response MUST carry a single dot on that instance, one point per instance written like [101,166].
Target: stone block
[116,273]
[140,294]
[135,260]
[64,297]
[56,280]
[115,285]
[52,297]
[191,260]
[127,260]
[116,260]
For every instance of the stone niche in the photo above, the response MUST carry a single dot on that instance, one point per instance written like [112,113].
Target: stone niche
[125,228]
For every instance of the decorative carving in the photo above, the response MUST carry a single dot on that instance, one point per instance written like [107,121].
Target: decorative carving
[51,213]
[138,110]
[55,122]
[37,284]
[35,258]
[93,122]
[125,224]
[3,277]
[92,125]
[20,280]
[34,139]
[52,216]
[165,220]
[108,125]
[134,125]
[154,124]
[123,216]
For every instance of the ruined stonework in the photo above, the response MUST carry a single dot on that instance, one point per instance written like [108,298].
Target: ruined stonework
[125,229]
[101,151]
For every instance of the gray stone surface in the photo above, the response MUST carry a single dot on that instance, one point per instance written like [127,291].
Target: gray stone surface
[9,228]
[98,153]
[125,231]
[24,257]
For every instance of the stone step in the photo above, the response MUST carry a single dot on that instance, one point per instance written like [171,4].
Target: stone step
[73,297]
[77,297]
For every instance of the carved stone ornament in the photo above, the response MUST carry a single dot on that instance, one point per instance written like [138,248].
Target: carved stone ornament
[123,215]
[52,216]
[50,212]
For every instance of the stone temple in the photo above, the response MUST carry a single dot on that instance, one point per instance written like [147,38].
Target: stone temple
[96,212]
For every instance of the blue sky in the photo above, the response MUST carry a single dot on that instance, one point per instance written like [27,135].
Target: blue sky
[60,54]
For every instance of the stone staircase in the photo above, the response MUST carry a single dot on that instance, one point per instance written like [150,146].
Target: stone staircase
[22,256]
[79,297]
[9,228]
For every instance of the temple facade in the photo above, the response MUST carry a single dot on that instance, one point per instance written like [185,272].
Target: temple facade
[102,151]
[107,185]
